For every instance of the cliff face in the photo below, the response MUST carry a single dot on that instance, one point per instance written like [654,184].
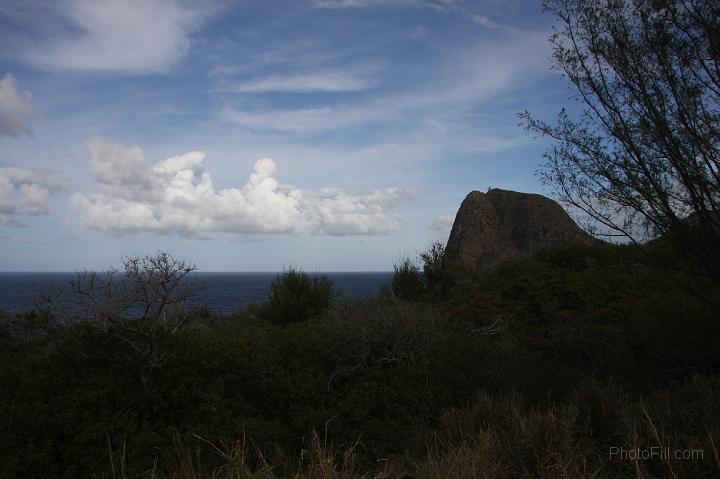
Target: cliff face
[501,224]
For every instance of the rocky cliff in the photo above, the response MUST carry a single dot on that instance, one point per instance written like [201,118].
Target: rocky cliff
[501,224]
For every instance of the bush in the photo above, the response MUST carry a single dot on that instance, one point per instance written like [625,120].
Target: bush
[436,276]
[411,282]
[407,281]
[295,296]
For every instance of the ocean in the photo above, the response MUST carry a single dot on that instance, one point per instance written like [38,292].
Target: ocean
[223,293]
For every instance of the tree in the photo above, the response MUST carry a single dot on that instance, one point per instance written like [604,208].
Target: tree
[140,307]
[643,159]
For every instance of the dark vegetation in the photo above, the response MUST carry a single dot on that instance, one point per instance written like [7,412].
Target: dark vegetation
[536,369]
[430,279]
[294,297]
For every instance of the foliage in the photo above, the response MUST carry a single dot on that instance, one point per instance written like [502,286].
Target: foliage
[436,275]
[433,279]
[534,371]
[643,159]
[407,281]
[295,296]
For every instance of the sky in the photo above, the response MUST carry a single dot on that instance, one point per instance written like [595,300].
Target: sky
[329,135]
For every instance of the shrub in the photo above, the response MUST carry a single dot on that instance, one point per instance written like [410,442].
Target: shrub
[435,274]
[295,296]
[411,282]
[407,281]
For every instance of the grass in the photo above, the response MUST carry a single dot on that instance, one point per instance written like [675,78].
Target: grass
[495,437]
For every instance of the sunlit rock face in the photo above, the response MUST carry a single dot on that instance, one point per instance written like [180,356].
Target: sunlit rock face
[501,224]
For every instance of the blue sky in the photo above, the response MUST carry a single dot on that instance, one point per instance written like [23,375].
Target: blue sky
[332,135]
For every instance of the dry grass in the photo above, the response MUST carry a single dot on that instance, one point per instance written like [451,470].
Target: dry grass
[495,437]
[505,438]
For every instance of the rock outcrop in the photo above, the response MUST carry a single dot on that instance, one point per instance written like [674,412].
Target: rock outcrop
[500,224]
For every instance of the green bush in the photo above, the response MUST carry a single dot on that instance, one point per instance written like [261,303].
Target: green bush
[431,280]
[407,281]
[296,296]
[436,275]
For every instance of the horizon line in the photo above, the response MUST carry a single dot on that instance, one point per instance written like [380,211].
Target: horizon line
[206,272]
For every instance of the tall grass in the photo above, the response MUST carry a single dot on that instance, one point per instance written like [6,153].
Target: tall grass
[496,437]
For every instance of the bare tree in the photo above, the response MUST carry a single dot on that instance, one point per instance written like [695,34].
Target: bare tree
[141,306]
[375,333]
[643,158]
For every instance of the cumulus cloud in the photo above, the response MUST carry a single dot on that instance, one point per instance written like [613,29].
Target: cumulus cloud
[25,193]
[112,164]
[177,195]
[121,35]
[15,108]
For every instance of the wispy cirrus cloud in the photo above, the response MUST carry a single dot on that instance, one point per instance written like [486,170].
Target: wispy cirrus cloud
[299,73]
[365,3]
[177,196]
[120,35]
[447,96]
[440,6]
[303,83]
[15,108]
[302,121]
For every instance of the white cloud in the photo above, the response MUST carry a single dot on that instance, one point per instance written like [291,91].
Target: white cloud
[177,195]
[25,193]
[442,223]
[451,94]
[439,6]
[308,120]
[365,3]
[121,35]
[314,82]
[111,163]
[15,108]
